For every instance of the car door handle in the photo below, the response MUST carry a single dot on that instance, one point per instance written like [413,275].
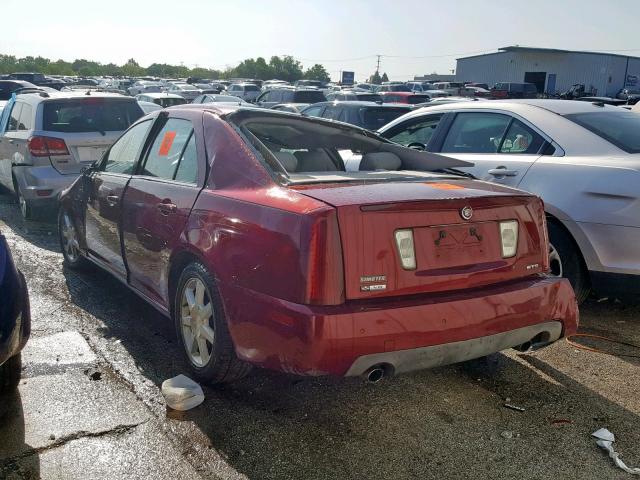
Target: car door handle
[11,141]
[167,208]
[503,172]
[112,200]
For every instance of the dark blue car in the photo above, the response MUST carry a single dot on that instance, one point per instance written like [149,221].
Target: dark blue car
[15,318]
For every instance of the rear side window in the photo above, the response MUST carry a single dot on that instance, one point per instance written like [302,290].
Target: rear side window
[476,132]
[166,150]
[418,131]
[123,154]
[188,167]
[620,128]
[90,115]
[375,118]
[521,139]
[25,122]
[313,111]
[14,118]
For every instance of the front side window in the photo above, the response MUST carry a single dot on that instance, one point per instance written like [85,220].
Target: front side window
[313,111]
[166,150]
[476,132]
[123,155]
[418,131]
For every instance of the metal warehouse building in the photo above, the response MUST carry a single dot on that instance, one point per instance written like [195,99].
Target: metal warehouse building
[552,70]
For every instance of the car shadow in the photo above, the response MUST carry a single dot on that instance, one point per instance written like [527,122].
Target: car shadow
[448,422]
[42,233]
[17,459]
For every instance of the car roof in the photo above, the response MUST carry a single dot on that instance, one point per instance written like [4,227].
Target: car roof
[160,95]
[37,97]
[405,94]
[355,103]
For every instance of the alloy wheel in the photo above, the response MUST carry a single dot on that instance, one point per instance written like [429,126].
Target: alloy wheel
[70,239]
[555,262]
[196,314]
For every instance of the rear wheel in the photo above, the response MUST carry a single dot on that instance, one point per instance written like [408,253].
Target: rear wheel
[69,241]
[201,326]
[566,261]
[26,208]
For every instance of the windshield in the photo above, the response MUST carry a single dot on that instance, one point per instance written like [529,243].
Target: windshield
[375,118]
[620,127]
[399,88]
[170,102]
[90,115]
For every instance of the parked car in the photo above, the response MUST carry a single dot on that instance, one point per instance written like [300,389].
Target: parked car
[212,98]
[394,87]
[290,95]
[603,100]
[246,91]
[39,79]
[477,85]
[184,90]
[8,87]
[452,88]
[291,107]
[46,140]
[349,95]
[583,159]
[471,91]
[213,88]
[144,86]
[504,90]
[369,115]
[164,99]
[15,319]
[244,226]
[404,97]
[309,83]
[632,94]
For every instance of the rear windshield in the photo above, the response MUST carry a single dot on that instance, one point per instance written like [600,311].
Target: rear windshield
[369,97]
[251,88]
[308,97]
[170,102]
[415,99]
[375,118]
[620,128]
[399,88]
[90,115]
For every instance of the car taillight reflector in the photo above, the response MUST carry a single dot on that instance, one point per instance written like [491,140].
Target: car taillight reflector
[47,146]
[404,242]
[509,238]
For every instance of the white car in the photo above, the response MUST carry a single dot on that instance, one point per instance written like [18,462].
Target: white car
[144,86]
[164,99]
[246,91]
[184,90]
[582,158]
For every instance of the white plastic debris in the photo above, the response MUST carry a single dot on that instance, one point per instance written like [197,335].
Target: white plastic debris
[182,393]
[605,441]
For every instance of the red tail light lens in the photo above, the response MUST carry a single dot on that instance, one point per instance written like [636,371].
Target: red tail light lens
[47,146]
[325,271]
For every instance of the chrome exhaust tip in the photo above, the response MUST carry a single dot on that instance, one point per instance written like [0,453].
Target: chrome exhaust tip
[375,374]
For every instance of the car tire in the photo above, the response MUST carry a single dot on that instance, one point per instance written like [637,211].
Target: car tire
[26,208]
[219,364]
[566,261]
[72,255]
[10,373]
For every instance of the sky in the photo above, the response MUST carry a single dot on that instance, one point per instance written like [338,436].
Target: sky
[413,37]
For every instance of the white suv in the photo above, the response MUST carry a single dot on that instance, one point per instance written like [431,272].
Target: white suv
[47,139]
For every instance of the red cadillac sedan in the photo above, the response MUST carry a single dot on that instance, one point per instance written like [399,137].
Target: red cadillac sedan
[245,227]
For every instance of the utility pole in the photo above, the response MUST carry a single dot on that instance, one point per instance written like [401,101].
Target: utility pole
[378,64]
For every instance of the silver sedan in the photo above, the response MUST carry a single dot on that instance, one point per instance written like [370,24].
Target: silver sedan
[582,158]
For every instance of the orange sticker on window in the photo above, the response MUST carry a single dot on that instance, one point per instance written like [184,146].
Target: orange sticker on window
[167,142]
[445,186]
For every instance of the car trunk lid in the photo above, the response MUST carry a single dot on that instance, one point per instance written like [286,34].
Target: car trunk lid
[451,252]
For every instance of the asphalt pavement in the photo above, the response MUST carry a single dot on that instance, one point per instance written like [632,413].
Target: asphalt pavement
[90,407]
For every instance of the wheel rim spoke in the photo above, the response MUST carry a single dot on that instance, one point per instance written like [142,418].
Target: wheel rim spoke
[206,332]
[199,293]
[206,312]
[190,298]
[203,351]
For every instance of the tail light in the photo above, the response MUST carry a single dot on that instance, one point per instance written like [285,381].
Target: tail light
[325,271]
[47,146]
[509,238]
[406,249]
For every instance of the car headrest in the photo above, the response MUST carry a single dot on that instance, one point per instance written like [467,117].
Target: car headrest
[288,160]
[380,161]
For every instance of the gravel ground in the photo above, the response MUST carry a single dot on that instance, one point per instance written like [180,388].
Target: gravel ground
[444,423]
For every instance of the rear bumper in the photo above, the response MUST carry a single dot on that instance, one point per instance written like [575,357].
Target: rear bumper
[407,333]
[42,183]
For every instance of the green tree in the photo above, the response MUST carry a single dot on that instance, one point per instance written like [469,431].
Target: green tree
[132,69]
[317,72]
[384,77]
[375,78]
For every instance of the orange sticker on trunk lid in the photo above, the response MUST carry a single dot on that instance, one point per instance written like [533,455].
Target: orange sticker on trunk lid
[445,186]
[167,142]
